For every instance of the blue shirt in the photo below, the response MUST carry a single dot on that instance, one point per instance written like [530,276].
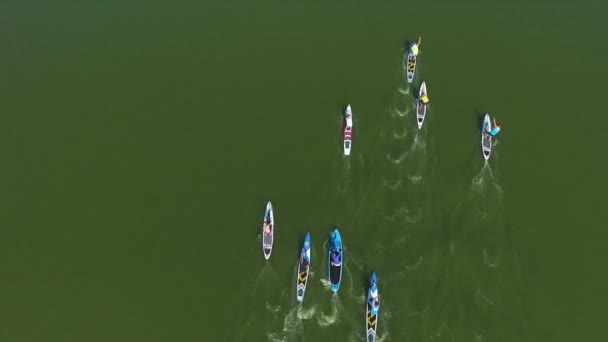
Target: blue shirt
[494,131]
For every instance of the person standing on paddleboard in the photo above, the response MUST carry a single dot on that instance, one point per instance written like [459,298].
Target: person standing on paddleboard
[375,302]
[494,132]
[305,261]
[335,257]
[414,48]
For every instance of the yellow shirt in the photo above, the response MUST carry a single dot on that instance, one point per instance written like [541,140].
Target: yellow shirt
[425,99]
[415,49]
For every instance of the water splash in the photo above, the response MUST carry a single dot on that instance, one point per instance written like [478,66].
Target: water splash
[326,283]
[273,308]
[398,241]
[485,184]
[416,178]
[490,262]
[305,314]
[415,265]
[293,324]
[274,337]
[405,214]
[405,91]
[360,299]
[419,142]
[397,160]
[346,163]
[333,316]
[400,136]
[482,300]
[396,113]
[383,337]
[392,185]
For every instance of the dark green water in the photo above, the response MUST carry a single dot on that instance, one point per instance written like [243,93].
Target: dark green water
[141,141]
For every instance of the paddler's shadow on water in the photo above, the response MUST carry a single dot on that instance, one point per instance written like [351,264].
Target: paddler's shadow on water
[479,116]
[407,43]
[343,111]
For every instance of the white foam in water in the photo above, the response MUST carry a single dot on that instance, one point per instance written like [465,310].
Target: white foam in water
[396,113]
[343,189]
[415,265]
[383,336]
[405,214]
[356,336]
[392,185]
[485,183]
[305,314]
[274,337]
[402,113]
[404,91]
[325,283]
[415,179]
[478,182]
[400,136]
[346,166]
[325,320]
[418,144]
[398,241]
[415,217]
[273,308]
[361,298]
[397,160]
[396,213]
[482,300]
[292,324]
[490,263]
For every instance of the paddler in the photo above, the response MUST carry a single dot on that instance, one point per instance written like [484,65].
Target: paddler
[335,257]
[414,48]
[266,228]
[375,302]
[424,100]
[494,132]
[305,261]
